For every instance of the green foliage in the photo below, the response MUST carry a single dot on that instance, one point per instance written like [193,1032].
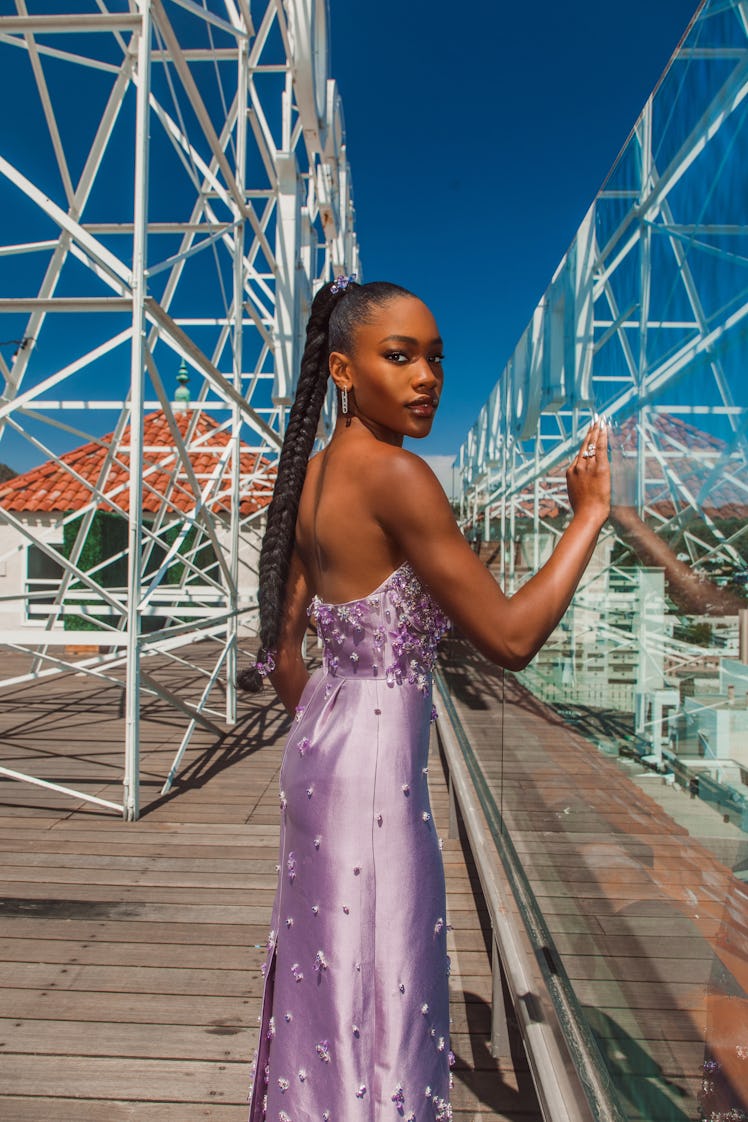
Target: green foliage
[203,559]
[106,538]
[699,633]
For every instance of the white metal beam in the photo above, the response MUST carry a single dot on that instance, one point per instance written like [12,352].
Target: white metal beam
[228,161]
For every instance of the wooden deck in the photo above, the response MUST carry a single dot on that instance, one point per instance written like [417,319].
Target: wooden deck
[651,926]
[130,953]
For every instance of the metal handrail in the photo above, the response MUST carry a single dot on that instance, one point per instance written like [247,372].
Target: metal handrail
[558,1095]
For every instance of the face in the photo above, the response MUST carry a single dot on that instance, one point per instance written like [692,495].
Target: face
[394,370]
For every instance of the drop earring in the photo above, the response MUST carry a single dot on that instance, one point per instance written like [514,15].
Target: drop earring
[344,402]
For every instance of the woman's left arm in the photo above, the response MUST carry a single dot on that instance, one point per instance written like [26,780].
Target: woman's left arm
[290,674]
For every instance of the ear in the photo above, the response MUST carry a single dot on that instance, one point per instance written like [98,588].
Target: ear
[340,370]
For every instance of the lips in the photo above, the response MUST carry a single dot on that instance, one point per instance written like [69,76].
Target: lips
[423,406]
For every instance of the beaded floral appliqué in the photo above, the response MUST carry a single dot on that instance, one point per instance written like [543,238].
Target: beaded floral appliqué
[405,627]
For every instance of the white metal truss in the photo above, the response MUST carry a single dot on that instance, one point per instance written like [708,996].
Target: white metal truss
[173,186]
[646,320]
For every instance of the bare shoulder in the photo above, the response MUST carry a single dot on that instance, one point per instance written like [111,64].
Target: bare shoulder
[404,484]
[398,466]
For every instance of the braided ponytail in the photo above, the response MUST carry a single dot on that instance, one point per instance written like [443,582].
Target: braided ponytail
[336,311]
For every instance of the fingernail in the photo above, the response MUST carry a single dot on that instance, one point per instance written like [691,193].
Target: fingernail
[595,418]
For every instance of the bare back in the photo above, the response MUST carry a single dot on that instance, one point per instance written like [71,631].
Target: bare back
[344,548]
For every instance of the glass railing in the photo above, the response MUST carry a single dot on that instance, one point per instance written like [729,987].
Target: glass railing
[594,1091]
[625,884]
[622,772]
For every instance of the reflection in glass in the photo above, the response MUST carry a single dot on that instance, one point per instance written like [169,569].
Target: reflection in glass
[624,757]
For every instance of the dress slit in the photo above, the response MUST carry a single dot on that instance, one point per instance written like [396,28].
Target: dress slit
[262,1061]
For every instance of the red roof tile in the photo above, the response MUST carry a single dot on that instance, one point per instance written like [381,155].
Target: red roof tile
[67,485]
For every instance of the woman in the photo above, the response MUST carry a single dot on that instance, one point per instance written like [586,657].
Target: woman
[355,1022]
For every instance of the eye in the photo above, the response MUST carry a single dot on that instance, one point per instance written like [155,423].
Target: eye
[437,360]
[398,357]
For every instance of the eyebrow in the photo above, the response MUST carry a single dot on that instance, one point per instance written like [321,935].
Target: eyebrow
[409,339]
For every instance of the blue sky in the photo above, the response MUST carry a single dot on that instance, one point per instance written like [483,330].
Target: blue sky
[478,136]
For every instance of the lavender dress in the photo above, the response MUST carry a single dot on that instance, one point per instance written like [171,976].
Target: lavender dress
[355,1015]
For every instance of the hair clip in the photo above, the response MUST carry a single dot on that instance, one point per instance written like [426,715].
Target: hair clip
[265,663]
[341,283]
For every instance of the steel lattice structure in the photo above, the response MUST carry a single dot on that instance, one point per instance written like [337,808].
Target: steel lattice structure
[646,320]
[174,185]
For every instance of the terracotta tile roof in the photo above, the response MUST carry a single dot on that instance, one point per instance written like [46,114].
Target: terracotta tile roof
[690,454]
[66,485]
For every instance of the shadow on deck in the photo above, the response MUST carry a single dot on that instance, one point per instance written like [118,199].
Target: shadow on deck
[130,952]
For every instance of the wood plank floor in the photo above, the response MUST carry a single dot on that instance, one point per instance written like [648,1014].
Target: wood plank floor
[651,927]
[130,953]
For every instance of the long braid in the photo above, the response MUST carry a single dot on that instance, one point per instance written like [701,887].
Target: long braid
[334,316]
[275,557]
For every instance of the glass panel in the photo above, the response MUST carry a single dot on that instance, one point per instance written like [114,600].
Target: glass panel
[43,576]
[40,566]
[621,773]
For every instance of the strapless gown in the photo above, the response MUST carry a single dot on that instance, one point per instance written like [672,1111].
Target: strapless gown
[355,1012]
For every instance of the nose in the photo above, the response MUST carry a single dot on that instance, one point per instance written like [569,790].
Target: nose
[425,375]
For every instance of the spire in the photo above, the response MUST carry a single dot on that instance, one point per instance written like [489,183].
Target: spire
[182,394]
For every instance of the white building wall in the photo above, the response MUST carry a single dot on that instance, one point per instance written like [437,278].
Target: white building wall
[48,528]
[13,561]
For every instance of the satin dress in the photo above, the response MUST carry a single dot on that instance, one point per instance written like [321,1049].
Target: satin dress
[355,1013]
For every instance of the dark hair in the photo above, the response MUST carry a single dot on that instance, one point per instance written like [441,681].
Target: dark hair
[332,327]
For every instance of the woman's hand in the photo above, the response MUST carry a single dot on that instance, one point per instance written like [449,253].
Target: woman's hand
[588,475]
